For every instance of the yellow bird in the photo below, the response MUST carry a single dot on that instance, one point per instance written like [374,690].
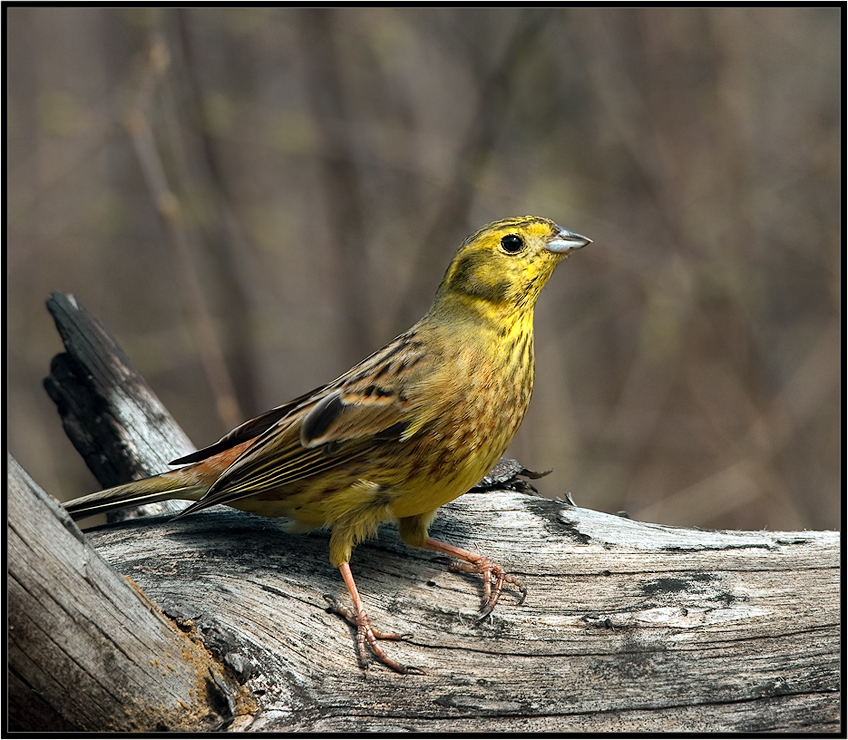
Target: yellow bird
[408,429]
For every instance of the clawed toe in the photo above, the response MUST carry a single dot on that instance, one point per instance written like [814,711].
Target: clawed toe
[472,562]
[491,572]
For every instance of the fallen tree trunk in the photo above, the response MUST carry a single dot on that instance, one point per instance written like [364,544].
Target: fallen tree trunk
[627,627]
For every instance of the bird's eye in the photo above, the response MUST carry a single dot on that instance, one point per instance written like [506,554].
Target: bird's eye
[512,243]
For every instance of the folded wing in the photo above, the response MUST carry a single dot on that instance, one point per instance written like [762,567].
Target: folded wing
[316,432]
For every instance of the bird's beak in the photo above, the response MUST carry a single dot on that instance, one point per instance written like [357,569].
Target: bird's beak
[565,241]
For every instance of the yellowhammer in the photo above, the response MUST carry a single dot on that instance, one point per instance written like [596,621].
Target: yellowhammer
[408,429]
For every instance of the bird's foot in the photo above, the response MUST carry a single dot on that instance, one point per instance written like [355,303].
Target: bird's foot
[494,576]
[367,637]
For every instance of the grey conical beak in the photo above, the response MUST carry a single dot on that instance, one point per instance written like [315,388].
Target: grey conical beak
[565,241]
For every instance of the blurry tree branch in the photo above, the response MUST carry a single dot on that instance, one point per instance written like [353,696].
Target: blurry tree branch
[451,222]
[341,182]
[228,246]
[228,250]
[137,124]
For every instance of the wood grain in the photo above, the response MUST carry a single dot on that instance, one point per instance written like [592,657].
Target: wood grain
[628,626]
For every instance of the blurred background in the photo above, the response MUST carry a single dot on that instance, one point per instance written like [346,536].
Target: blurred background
[293,182]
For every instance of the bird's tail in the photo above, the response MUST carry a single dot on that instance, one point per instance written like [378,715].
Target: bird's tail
[137,493]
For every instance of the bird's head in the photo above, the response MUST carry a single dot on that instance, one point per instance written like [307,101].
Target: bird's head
[504,265]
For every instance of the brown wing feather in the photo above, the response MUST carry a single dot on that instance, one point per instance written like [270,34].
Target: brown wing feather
[347,414]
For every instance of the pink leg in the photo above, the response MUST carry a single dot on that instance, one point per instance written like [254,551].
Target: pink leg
[365,634]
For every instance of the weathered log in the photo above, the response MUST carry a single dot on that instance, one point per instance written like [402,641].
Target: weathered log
[627,627]
[88,651]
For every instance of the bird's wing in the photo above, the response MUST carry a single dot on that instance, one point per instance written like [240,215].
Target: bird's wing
[345,420]
[249,429]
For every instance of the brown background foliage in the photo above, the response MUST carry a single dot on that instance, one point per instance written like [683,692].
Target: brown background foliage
[326,164]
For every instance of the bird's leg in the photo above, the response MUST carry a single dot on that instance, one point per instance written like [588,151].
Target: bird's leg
[472,562]
[365,633]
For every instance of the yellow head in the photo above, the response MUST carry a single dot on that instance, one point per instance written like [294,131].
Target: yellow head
[502,267]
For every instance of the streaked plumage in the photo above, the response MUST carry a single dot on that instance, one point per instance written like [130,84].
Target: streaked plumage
[408,429]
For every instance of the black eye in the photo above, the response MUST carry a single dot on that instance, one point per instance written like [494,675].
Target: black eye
[512,243]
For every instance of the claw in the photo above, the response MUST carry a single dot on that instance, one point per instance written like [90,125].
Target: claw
[472,562]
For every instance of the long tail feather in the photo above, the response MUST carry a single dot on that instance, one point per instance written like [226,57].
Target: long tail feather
[136,493]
